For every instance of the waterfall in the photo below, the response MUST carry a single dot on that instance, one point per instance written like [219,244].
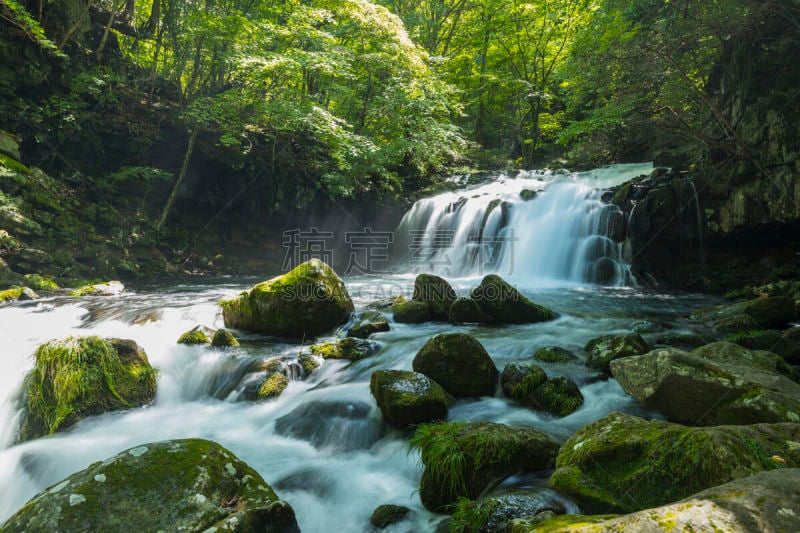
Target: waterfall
[539,227]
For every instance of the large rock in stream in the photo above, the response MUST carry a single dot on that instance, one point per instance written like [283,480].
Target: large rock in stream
[769,312]
[503,304]
[409,398]
[306,302]
[437,293]
[179,485]
[82,376]
[720,383]
[463,459]
[459,363]
[622,463]
[767,501]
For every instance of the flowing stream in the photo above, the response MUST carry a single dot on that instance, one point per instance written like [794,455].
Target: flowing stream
[322,444]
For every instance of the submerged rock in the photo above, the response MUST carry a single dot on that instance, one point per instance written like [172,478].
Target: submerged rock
[308,301]
[720,383]
[347,348]
[503,304]
[766,501]
[554,354]
[411,312]
[332,425]
[386,515]
[519,378]
[409,398]
[459,363]
[463,459]
[368,323]
[82,376]
[437,293]
[622,463]
[605,349]
[179,485]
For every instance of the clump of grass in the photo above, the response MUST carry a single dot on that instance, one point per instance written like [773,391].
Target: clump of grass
[40,283]
[442,454]
[470,516]
[11,294]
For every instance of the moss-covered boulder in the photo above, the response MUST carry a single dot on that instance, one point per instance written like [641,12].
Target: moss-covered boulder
[411,312]
[179,485]
[386,515]
[83,376]
[466,311]
[602,350]
[223,338]
[108,288]
[306,302]
[554,354]
[769,312]
[459,363]
[793,334]
[503,304]
[347,348]
[196,335]
[767,501]
[528,385]
[721,383]
[527,195]
[622,463]
[368,323]
[17,293]
[770,340]
[559,396]
[409,398]
[519,378]
[273,386]
[463,459]
[437,293]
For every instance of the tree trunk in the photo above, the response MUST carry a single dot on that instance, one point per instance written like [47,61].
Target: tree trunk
[179,181]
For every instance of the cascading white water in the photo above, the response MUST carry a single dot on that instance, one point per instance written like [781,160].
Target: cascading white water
[535,228]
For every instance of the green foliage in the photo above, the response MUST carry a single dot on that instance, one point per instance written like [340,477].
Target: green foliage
[442,453]
[39,282]
[470,516]
[14,12]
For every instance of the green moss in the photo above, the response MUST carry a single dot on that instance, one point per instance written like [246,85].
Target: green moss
[558,396]
[571,522]
[603,350]
[347,348]
[40,283]
[82,376]
[11,295]
[466,310]
[194,336]
[622,463]
[273,386]
[527,194]
[471,516]
[308,362]
[368,323]
[224,338]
